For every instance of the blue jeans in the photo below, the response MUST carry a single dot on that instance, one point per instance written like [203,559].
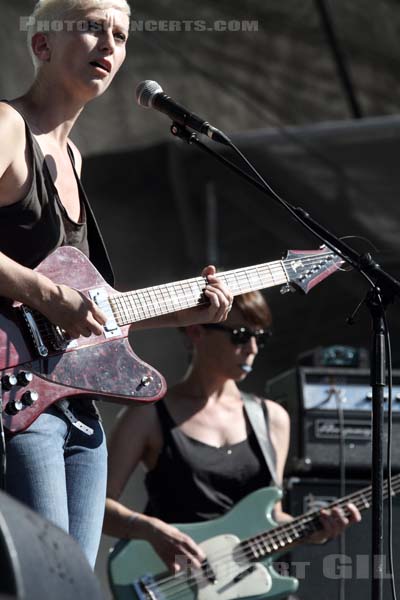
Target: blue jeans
[61,473]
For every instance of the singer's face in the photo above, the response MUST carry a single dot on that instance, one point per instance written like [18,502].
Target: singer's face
[233,361]
[86,55]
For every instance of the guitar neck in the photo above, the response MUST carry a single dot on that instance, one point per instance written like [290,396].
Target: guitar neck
[300,528]
[138,305]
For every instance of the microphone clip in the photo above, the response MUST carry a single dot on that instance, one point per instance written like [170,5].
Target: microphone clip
[182,132]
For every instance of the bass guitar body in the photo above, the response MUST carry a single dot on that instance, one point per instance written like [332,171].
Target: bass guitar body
[232,569]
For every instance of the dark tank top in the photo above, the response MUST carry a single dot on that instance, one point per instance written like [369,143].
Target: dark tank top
[193,481]
[38,224]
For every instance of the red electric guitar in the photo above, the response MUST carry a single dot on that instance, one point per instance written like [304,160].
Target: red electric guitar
[40,365]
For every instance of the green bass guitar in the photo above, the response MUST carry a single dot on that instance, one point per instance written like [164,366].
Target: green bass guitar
[240,548]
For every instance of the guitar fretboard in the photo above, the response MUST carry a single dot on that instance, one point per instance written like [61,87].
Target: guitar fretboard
[145,303]
[302,527]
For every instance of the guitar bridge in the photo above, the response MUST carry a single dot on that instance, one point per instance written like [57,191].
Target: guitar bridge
[44,334]
[143,591]
[33,328]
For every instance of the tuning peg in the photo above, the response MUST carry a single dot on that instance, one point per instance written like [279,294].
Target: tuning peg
[285,289]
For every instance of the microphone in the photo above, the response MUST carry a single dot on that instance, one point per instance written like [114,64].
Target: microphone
[150,94]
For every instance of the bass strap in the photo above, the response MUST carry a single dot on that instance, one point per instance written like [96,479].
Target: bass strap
[257,414]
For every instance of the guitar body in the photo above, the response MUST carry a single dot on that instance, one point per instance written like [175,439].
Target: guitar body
[137,573]
[39,365]
[98,366]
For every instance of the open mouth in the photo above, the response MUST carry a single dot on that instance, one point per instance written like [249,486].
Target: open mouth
[100,65]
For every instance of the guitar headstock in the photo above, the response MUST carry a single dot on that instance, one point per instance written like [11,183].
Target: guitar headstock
[306,268]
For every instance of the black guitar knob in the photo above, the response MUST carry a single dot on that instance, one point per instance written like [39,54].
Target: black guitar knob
[13,407]
[24,378]
[8,381]
[29,398]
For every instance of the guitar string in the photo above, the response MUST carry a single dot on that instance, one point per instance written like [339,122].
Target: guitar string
[276,266]
[242,272]
[361,498]
[150,309]
[304,525]
[124,309]
[266,267]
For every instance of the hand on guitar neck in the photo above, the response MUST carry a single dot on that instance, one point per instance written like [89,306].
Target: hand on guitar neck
[217,304]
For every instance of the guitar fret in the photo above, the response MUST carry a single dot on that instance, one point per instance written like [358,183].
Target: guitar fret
[289,538]
[275,546]
[365,502]
[294,531]
[176,303]
[141,308]
[257,549]
[260,545]
[267,546]
[281,541]
[149,306]
[154,300]
[179,298]
[187,293]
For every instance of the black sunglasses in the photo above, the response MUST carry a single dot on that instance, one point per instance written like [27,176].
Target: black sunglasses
[241,335]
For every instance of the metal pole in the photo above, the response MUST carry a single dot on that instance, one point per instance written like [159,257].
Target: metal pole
[339,58]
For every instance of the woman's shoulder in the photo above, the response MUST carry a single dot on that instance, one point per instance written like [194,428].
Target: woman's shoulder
[11,123]
[278,415]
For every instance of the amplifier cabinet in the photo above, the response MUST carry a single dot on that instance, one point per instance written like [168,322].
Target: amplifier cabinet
[327,406]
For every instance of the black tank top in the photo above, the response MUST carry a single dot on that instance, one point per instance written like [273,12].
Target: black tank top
[193,481]
[38,224]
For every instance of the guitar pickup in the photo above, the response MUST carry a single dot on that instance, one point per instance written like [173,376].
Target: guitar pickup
[100,297]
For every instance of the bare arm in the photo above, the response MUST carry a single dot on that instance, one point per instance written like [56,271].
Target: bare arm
[62,305]
[136,438]
[279,422]
[126,450]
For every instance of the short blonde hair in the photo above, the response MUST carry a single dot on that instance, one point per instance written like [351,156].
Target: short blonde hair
[46,11]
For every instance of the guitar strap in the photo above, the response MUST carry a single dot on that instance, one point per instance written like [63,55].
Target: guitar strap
[257,414]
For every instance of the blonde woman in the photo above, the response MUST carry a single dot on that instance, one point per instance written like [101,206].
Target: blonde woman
[53,467]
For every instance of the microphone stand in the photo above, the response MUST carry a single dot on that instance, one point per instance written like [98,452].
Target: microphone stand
[383,289]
